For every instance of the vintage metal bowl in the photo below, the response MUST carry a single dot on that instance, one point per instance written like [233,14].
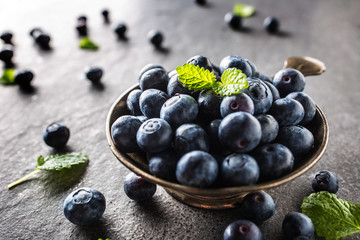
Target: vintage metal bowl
[214,198]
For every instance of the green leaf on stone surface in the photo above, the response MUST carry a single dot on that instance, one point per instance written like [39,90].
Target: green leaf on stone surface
[86,43]
[55,162]
[243,10]
[333,217]
[7,77]
[195,78]
[233,81]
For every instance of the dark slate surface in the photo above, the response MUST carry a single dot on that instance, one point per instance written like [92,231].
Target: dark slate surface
[325,29]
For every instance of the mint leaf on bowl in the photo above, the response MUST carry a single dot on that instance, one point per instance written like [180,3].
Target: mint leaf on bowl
[86,43]
[54,162]
[333,217]
[243,10]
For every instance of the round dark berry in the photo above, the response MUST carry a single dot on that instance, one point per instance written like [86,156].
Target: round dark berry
[82,18]
[137,188]
[272,24]
[242,230]
[7,53]
[233,21]
[94,74]
[325,181]
[6,37]
[257,206]
[156,38]
[43,40]
[105,14]
[297,225]
[82,28]
[120,30]
[56,135]
[23,78]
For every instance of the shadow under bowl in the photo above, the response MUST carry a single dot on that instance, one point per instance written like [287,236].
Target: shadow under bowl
[214,198]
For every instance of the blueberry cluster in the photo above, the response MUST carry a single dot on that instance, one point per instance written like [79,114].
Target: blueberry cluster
[202,139]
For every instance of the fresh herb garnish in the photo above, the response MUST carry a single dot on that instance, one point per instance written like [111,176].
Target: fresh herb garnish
[86,43]
[196,79]
[243,10]
[7,77]
[333,217]
[54,162]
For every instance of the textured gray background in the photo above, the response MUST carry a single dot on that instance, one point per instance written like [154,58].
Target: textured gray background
[325,29]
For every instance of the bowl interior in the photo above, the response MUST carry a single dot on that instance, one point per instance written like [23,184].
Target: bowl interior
[214,198]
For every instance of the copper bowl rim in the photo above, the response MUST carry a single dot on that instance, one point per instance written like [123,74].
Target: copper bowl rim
[125,159]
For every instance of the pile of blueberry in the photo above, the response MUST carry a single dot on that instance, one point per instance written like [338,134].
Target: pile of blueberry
[200,139]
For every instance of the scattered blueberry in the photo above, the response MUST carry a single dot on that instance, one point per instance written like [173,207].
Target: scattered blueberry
[56,135]
[156,38]
[151,101]
[132,102]
[23,78]
[123,133]
[296,225]
[94,74]
[81,28]
[84,206]
[325,181]
[289,80]
[189,137]
[105,14]
[137,188]
[257,206]
[120,30]
[242,230]
[233,21]
[7,53]
[82,18]
[7,37]
[43,40]
[272,24]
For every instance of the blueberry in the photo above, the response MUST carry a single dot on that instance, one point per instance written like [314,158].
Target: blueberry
[209,105]
[7,37]
[105,14]
[175,86]
[151,101]
[154,78]
[201,61]
[234,61]
[132,102]
[274,160]
[236,103]
[242,230]
[82,18]
[81,28]
[240,132]
[260,94]
[149,67]
[275,93]
[297,225]
[189,137]
[137,188]
[239,170]
[7,53]
[163,165]
[120,30]
[325,181]
[271,24]
[23,78]
[297,138]
[269,127]
[289,80]
[156,38]
[123,133]
[56,135]
[264,78]
[84,206]
[257,206]
[94,74]
[287,111]
[307,103]
[43,40]
[233,21]
[212,129]
[179,109]
[197,169]
[154,135]
[200,2]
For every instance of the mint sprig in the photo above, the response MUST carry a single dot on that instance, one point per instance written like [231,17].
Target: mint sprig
[86,43]
[243,10]
[233,80]
[333,217]
[8,77]
[54,162]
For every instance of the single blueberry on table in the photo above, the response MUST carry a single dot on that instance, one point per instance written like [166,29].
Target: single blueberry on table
[81,28]
[239,170]
[123,133]
[234,61]
[257,206]
[179,109]
[197,169]
[120,30]
[7,37]
[132,102]
[201,61]
[274,161]
[242,230]
[137,188]
[94,74]
[84,206]
[163,165]
[155,78]
[154,135]
[189,137]
[271,24]
[260,94]
[233,21]
[156,38]
[307,103]
[287,111]
[151,101]
[43,40]
[240,132]
[325,181]
[106,15]
[209,105]
[7,53]
[236,103]
[82,18]
[56,135]
[289,80]
[296,225]
[23,78]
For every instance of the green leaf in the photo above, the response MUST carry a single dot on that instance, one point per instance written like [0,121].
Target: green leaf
[233,81]
[7,77]
[195,78]
[333,217]
[60,161]
[86,43]
[243,10]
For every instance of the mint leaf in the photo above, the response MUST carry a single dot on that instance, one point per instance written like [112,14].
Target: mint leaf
[195,78]
[333,218]
[55,162]
[233,81]
[243,10]
[7,77]
[86,43]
